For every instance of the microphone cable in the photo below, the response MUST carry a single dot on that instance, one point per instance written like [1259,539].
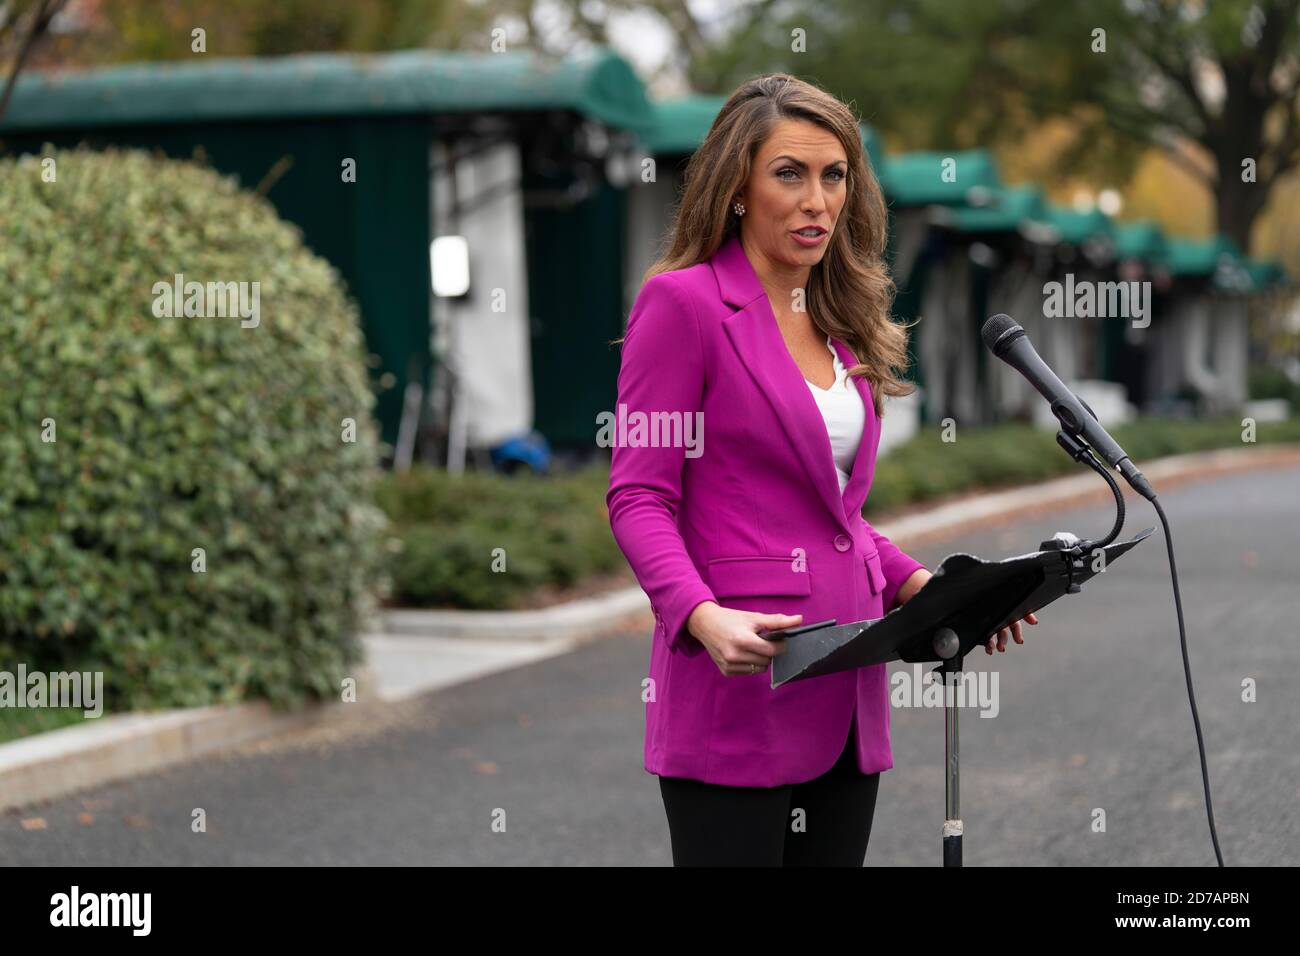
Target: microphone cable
[1081,452]
[1078,436]
[1187,672]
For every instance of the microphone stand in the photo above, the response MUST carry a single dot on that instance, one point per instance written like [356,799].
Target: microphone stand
[947,646]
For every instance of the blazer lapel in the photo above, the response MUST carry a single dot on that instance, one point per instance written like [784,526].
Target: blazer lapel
[757,339]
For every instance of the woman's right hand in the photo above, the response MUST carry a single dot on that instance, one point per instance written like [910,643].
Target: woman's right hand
[732,637]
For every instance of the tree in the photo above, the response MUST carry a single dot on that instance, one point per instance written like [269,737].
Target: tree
[1225,76]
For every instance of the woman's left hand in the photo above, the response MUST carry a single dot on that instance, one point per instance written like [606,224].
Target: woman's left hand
[1013,630]
[917,581]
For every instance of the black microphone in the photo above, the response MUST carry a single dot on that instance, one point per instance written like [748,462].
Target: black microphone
[1008,341]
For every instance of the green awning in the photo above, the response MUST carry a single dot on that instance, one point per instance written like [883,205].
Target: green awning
[874,146]
[1266,273]
[1140,240]
[1218,258]
[681,123]
[1202,257]
[1076,228]
[599,84]
[918,179]
[1009,208]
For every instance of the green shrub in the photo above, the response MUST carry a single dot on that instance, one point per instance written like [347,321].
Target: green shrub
[554,530]
[551,531]
[175,434]
[1267,381]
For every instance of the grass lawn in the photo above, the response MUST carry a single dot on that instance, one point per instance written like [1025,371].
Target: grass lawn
[16,722]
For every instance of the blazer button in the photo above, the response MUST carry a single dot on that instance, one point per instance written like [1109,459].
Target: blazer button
[843,542]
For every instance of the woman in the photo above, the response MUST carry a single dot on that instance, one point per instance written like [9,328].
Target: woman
[753,372]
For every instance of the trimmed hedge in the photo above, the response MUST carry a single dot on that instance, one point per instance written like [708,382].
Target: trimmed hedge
[555,529]
[176,434]
[1266,381]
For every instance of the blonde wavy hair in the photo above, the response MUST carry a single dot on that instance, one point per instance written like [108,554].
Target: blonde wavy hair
[850,292]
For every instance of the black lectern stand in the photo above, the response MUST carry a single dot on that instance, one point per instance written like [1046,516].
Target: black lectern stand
[966,601]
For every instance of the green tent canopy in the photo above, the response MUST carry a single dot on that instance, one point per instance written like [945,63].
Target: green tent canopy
[1141,240]
[1077,228]
[1265,273]
[681,123]
[1201,257]
[917,179]
[874,146]
[1218,258]
[599,84]
[1009,208]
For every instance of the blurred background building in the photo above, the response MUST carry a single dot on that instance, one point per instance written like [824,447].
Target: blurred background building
[1009,157]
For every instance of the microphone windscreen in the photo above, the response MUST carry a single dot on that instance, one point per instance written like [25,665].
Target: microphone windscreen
[996,328]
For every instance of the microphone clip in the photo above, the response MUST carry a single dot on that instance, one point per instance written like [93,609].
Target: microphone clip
[1072,445]
[1071,547]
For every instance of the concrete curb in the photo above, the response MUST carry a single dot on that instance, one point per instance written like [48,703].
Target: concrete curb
[577,619]
[112,748]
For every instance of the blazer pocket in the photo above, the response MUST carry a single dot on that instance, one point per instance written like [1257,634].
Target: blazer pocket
[875,574]
[757,576]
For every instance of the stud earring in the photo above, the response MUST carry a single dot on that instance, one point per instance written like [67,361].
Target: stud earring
[739,207]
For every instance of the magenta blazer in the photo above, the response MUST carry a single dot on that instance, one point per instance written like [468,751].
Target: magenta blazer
[753,519]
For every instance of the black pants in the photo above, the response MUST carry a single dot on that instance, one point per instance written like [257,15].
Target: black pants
[715,825]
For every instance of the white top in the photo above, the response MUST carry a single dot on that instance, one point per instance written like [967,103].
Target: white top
[845,416]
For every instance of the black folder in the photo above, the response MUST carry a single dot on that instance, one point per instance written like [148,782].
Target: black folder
[972,597]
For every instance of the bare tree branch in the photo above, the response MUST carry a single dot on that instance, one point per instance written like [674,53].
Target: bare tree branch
[593,29]
[46,11]
[1138,125]
[1286,153]
[1275,34]
[685,26]
[1159,47]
